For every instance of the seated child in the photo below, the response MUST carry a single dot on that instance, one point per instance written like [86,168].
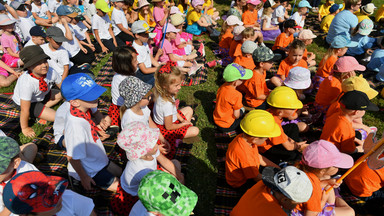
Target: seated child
[37,36]
[87,159]
[245,59]
[183,42]
[101,28]
[243,160]
[280,14]
[120,23]
[294,59]
[325,9]
[269,30]
[285,38]
[273,195]
[226,38]
[139,142]
[160,15]
[299,79]
[327,20]
[301,13]
[365,43]
[11,44]
[41,13]
[82,33]
[24,20]
[197,24]
[249,16]
[307,37]
[33,91]
[237,41]
[210,10]
[365,11]
[377,58]
[229,106]
[146,13]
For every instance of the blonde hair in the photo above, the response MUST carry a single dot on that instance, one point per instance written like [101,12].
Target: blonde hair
[223,29]
[330,52]
[268,11]
[163,80]
[248,32]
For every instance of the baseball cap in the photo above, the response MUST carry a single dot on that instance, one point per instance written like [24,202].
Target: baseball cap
[15,4]
[334,8]
[304,4]
[161,192]
[81,86]
[290,181]
[142,3]
[342,40]
[323,154]
[177,19]
[264,54]
[65,10]
[56,34]
[248,47]
[37,31]
[235,72]
[357,100]
[137,139]
[197,2]
[103,6]
[140,26]
[307,34]
[380,75]
[170,28]
[365,27]
[368,8]
[5,20]
[31,55]
[298,78]
[9,148]
[132,89]
[237,32]
[346,64]
[254,2]
[33,191]
[360,84]
[233,20]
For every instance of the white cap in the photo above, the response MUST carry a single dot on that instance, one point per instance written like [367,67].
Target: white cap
[175,10]
[233,20]
[298,78]
[237,32]
[248,47]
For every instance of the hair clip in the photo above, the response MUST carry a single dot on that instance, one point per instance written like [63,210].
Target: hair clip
[167,67]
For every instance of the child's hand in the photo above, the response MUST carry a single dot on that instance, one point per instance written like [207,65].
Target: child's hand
[92,47]
[63,20]
[84,50]
[332,182]
[102,135]
[105,122]
[104,49]
[186,122]
[28,132]
[159,52]
[87,182]
[164,147]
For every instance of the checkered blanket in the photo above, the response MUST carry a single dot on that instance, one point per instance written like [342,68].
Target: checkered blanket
[105,75]
[9,116]
[198,78]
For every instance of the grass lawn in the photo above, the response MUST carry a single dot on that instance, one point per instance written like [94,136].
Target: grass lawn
[202,167]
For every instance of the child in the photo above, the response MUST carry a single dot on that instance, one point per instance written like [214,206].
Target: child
[87,159]
[198,24]
[274,195]
[245,59]
[160,15]
[237,40]
[210,10]
[82,33]
[33,91]
[326,22]
[152,198]
[229,106]
[294,59]
[38,36]
[173,123]
[325,9]
[377,58]
[299,79]
[10,42]
[120,23]
[280,14]
[338,127]
[365,11]
[307,37]
[183,41]
[322,160]
[365,43]
[269,30]
[301,13]
[24,20]
[285,38]
[41,13]
[139,142]
[226,38]
[242,158]
[249,16]
[146,13]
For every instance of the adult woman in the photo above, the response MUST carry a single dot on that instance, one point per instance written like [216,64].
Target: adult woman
[237,9]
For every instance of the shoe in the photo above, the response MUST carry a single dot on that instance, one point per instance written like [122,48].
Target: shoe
[212,63]
[42,122]
[215,33]
[85,66]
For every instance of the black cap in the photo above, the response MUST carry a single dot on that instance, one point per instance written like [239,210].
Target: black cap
[31,55]
[290,24]
[357,100]
[37,31]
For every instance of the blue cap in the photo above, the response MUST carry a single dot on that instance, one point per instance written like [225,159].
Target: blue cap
[81,86]
[37,31]
[65,10]
[342,40]
[334,8]
[2,7]
[304,3]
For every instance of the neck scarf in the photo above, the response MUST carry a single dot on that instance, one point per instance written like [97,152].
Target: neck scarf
[87,116]
[42,84]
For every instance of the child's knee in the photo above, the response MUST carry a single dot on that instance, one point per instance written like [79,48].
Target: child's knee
[193,131]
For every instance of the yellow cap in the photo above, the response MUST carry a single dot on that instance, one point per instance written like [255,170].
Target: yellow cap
[103,6]
[260,123]
[285,98]
[358,83]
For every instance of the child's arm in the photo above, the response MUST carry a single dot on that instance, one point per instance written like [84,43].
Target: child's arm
[85,179]
[164,147]
[113,36]
[164,20]
[103,48]
[237,113]
[9,69]
[5,212]
[11,53]
[170,167]
[155,60]
[68,33]
[49,15]
[24,117]
[265,28]
[12,11]
[169,125]
[146,70]
[176,58]
[291,145]
[266,162]
[126,31]
[65,72]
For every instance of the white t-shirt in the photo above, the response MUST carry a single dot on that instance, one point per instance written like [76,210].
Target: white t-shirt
[53,5]
[59,58]
[163,109]
[75,204]
[30,43]
[80,146]
[40,12]
[134,171]
[102,25]
[80,30]
[27,87]
[144,54]
[118,17]
[278,12]
[116,98]
[139,210]
[22,27]
[72,46]
[129,116]
[298,18]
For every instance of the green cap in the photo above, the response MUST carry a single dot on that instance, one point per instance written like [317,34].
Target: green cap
[9,148]
[161,192]
[235,72]
[264,54]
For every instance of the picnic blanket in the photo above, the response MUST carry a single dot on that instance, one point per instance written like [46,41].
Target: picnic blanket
[105,75]
[9,116]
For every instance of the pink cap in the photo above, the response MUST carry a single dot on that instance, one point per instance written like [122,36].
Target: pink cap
[323,154]
[347,64]
[171,28]
[254,2]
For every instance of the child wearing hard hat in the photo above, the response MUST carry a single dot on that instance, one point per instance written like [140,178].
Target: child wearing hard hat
[243,159]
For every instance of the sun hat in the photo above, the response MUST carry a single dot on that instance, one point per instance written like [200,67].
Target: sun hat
[341,41]
[171,28]
[37,31]
[137,139]
[196,3]
[140,26]
[233,20]
[132,89]
[81,86]
[31,55]
[346,64]
[306,34]
[162,193]
[237,32]
[175,10]
[304,3]
[260,123]
[323,154]
[365,27]
[33,192]
[357,100]
[177,19]
[290,181]
[5,20]
[285,98]
[264,54]
[254,2]
[56,34]
[142,3]
[298,78]
[360,84]
[368,8]
[65,10]
[235,72]
[9,148]
[248,47]
[103,6]
[380,75]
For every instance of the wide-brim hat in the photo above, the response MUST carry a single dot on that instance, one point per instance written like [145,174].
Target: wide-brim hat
[298,78]
[5,20]
[142,3]
[133,89]
[31,55]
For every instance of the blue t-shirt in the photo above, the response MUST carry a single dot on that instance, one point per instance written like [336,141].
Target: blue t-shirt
[365,43]
[377,60]
[343,22]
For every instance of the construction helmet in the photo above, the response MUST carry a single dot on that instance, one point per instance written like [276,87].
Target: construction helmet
[260,123]
[285,98]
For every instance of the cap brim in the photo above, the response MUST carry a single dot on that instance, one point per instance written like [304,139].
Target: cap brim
[5,161]
[360,67]
[345,161]
[298,85]
[248,75]
[268,175]
[34,60]
[372,93]
[372,107]
[59,39]
[73,15]
[352,44]
[276,57]
[93,93]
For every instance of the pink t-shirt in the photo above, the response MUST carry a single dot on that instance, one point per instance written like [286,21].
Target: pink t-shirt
[167,49]
[178,40]
[158,15]
[9,41]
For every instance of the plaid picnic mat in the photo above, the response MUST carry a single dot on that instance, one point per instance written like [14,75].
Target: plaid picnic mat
[9,116]
[105,75]
[198,78]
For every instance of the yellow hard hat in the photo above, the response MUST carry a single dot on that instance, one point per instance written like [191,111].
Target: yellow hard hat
[260,123]
[285,98]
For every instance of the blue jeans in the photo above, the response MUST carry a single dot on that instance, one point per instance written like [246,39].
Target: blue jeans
[147,78]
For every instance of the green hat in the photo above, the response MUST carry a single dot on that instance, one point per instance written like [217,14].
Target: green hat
[264,54]
[235,72]
[9,148]
[161,192]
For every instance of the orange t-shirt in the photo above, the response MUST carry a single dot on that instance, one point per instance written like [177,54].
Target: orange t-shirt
[274,140]
[305,54]
[314,203]
[282,41]
[249,17]
[255,87]
[235,49]
[328,92]
[286,66]
[326,68]
[339,131]
[228,99]
[363,181]
[245,62]
[242,162]
[258,200]
[226,39]
[333,108]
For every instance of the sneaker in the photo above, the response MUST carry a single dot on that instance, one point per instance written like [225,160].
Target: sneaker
[212,63]
[84,66]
